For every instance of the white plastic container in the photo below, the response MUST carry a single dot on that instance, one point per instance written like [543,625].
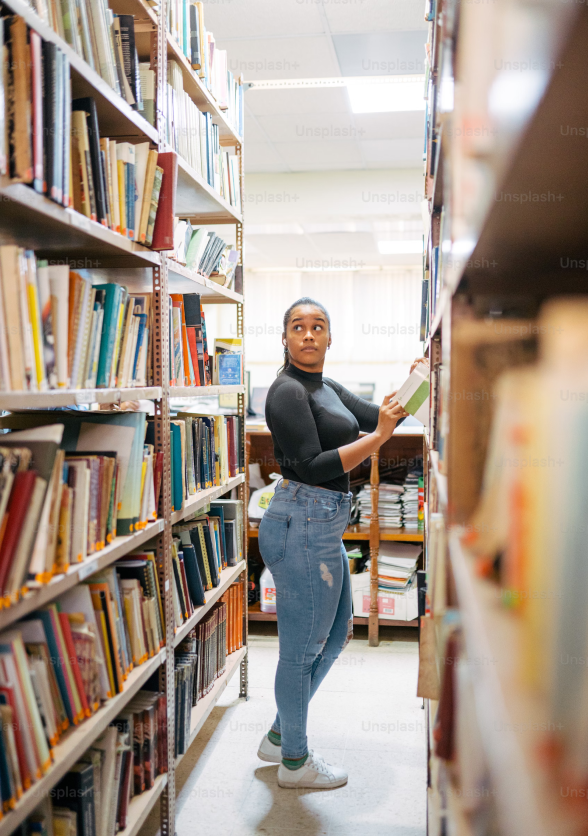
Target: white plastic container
[267,591]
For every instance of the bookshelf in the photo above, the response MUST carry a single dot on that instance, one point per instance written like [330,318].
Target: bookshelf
[401,449]
[506,184]
[64,236]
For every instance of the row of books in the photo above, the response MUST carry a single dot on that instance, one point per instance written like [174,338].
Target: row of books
[399,505]
[207,451]
[204,251]
[54,143]
[104,40]
[66,332]
[201,550]
[63,661]
[92,799]
[185,22]
[201,658]
[528,531]
[125,490]
[196,138]
[189,361]
[56,507]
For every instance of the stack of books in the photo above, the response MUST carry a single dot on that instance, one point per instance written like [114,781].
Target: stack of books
[190,363]
[197,140]
[389,505]
[205,252]
[410,503]
[201,658]
[67,332]
[201,550]
[92,799]
[54,144]
[185,22]
[65,659]
[397,565]
[70,482]
[206,451]
[104,40]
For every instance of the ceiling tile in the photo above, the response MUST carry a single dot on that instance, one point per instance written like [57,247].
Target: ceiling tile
[248,18]
[345,242]
[313,155]
[375,15]
[253,132]
[393,153]
[277,102]
[381,53]
[389,125]
[269,58]
[303,127]
[262,156]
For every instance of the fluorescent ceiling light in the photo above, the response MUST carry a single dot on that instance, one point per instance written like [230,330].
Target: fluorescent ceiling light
[390,97]
[338,81]
[400,247]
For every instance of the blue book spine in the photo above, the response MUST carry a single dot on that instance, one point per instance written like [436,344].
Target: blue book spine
[112,297]
[56,662]
[229,369]
[140,336]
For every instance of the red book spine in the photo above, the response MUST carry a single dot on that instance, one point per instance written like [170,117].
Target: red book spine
[193,348]
[163,231]
[73,660]
[18,505]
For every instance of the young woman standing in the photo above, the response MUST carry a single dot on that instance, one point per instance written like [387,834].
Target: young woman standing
[315,424]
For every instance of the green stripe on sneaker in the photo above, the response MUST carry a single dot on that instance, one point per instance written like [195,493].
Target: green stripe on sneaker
[295,764]
[274,737]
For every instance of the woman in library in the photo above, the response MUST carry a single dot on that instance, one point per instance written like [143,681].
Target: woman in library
[315,425]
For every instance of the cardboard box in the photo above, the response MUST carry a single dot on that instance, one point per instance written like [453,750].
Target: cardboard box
[401,606]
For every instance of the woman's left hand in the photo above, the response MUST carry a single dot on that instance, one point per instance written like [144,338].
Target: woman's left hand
[417,361]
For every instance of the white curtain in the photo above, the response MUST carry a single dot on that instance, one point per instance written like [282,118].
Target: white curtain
[375,320]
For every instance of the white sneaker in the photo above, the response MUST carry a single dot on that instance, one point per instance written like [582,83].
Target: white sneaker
[315,773]
[268,751]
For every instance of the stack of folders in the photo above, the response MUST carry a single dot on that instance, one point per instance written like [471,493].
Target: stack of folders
[397,565]
[185,22]
[389,505]
[201,549]
[59,664]
[54,144]
[410,503]
[197,140]
[68,332]
[205,252]
[201,658]
[93,797]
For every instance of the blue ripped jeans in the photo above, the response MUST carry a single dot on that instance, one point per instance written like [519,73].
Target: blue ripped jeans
[300,542]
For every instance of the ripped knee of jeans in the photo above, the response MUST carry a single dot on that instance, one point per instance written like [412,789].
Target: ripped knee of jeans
[349,633]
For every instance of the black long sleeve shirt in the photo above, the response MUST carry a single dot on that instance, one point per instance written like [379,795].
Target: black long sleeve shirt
[310,417]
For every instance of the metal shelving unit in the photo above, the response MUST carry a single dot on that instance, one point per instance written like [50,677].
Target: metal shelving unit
[31,220]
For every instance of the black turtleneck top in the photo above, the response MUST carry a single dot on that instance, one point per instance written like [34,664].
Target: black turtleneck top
[310,417]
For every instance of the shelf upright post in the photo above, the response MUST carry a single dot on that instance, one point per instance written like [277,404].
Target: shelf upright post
[373,637]
[162,443]
[243,489]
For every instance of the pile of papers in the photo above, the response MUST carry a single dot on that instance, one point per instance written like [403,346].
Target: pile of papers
[389,505]
[410,502]
[397,564]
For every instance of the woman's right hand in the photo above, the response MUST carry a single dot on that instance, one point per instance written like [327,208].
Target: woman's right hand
[390,414]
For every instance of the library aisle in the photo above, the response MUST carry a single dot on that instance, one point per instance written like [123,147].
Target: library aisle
[365,717]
